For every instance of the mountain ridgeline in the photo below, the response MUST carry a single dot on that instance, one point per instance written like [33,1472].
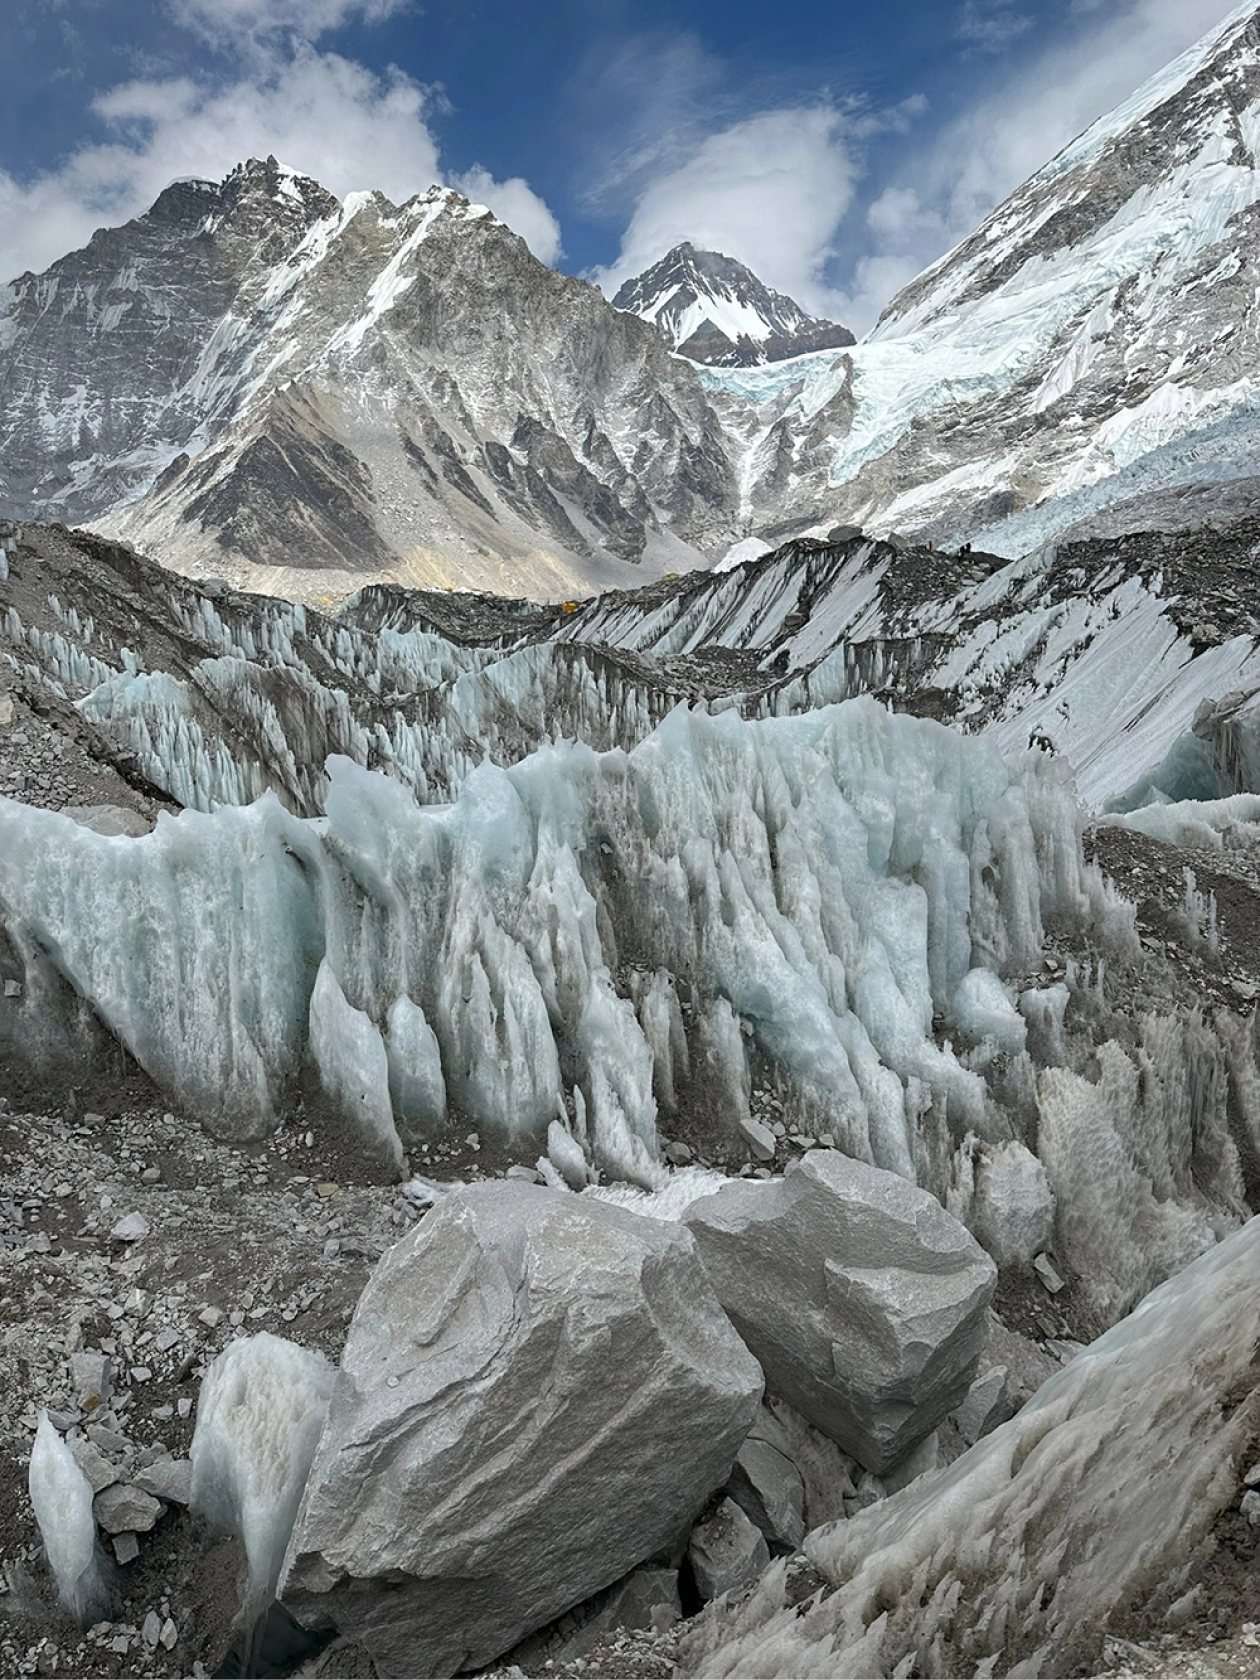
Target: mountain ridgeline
[256,381]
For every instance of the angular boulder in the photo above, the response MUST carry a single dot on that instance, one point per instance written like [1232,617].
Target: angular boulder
[863,1299]
[538,1392]
[1109,1502]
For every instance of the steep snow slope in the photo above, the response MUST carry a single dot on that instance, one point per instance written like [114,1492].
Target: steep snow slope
[255,375]
[1093,341]
[714,309]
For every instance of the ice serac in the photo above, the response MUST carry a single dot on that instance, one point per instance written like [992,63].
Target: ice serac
[1093,1509]
[61,1496]
[824,882]
[261,1408]
[538,1392]
[863,1299]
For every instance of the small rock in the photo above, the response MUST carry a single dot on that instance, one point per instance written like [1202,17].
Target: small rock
[94,1465]
[527,1175]
[141,1373]
[170,1633]
[126,1547]
[151,1175]
[1250,1507]
[759,1138]
[12,989]
[169,1479]
[91,1377]
[151,1632]
[677,1153]
[1251,1479]
[726,1551]
[131,1228]
[184,1406]
[326,1189]
[985,1407]
[1046,1272]
[211,1317]
[124,1507]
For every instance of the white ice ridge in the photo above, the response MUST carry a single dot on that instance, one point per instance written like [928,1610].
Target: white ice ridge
[1095,1502]
[259,1416]
[822,884]
[62,1499]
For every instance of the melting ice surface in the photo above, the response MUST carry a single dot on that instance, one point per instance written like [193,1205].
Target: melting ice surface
[824,884]
[846,907]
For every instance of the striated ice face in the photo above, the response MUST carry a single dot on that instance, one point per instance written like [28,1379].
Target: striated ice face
[822,886]
[259,1416]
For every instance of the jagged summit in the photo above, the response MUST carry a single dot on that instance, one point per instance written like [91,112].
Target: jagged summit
[254,373]
[713,309]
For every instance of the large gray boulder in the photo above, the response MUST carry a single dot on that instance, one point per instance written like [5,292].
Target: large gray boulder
[537,1393]
[862,1298]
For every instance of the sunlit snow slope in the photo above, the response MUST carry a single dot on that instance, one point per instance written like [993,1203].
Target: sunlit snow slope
[1093,343]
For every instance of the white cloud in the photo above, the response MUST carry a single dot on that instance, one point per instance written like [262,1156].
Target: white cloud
[770,191]
[236,20]
[325,115]
[992,25]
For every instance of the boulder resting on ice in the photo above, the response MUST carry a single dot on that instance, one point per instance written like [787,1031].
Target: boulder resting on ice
[538,1392]
[863,1299]
[1094,1505]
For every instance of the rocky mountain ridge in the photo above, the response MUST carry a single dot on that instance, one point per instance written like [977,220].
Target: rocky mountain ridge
[713,309]
[344,388]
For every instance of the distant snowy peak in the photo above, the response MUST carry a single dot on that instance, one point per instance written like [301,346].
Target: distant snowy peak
[715,310]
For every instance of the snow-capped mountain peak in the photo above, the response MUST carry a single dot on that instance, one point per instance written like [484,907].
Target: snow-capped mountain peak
[714,309]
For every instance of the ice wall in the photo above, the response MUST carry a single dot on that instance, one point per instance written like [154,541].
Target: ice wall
[821,885]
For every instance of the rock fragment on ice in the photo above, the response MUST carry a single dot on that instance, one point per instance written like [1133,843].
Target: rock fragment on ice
[259,1415]
[122,1508]
[1012,1209]
[726,1551]
[986,1405]
[758,1137]
[1108,1484]
[862,1298]
[538,1391]
[61,1497]
[767,1487]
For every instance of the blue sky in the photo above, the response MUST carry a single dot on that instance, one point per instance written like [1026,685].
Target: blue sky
[836,147]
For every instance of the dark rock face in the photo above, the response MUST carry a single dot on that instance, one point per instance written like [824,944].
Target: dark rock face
[254,374]
[713,309]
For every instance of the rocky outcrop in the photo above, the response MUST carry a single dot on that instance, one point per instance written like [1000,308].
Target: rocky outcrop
[862,1298]
[537,1393]
[1093,1509]
[252,374]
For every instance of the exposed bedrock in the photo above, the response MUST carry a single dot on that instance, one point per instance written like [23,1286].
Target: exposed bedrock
[538,1392]
[861,1297]
[1093,1509]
